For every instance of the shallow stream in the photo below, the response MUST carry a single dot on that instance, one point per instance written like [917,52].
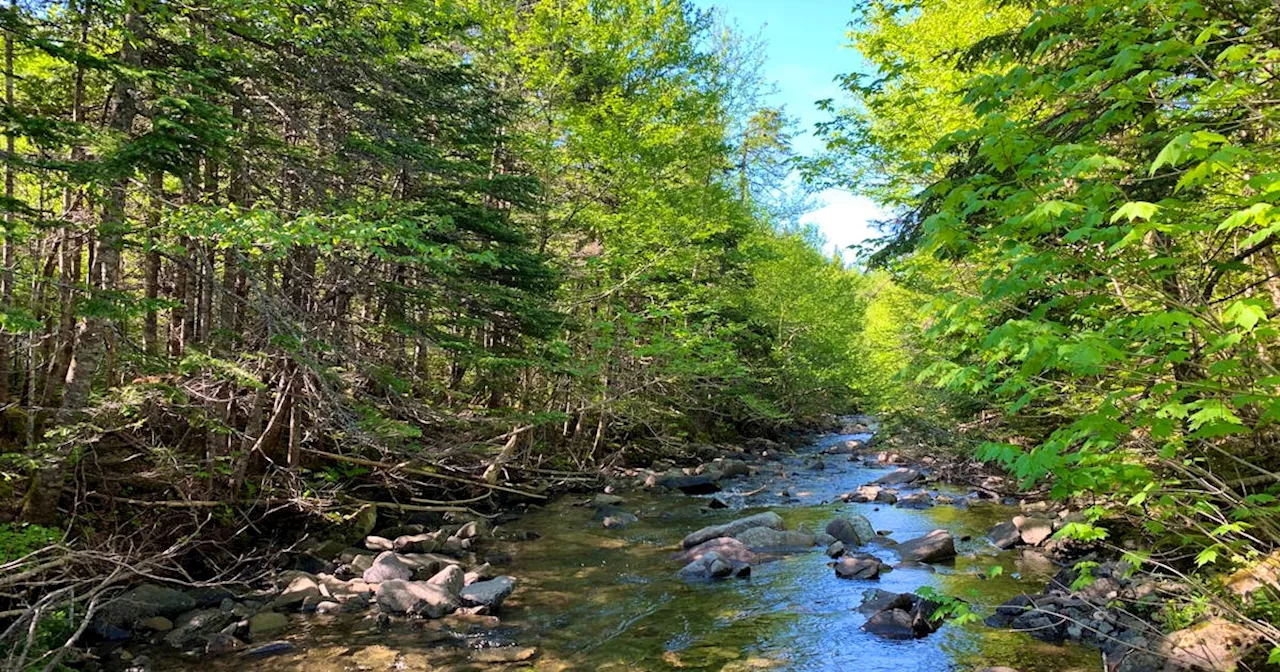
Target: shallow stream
[596,599]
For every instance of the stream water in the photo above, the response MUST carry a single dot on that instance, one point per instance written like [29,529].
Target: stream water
[596,599]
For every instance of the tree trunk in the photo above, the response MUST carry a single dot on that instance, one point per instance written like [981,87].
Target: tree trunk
[41,505]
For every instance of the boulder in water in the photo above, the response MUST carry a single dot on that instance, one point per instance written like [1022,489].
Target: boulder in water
[727,548]
[417,598]
[937,546]
[854,530]
[858,567]
[699,484]
[711,566]
[918,500]
[901,476]
[730,529]
[451,578]
[489,593]
[771,540]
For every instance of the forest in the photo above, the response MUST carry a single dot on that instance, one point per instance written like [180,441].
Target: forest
[273,268]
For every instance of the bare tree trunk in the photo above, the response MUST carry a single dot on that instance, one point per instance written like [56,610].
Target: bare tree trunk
[6,255]
[151,272]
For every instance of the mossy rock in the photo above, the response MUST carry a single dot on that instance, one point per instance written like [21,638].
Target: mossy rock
[355,526]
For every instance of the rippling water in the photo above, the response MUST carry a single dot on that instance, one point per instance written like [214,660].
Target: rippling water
[596,599]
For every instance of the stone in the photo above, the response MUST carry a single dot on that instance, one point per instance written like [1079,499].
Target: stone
[417,598]
[936,546]
[267,622]
[769,539]
[451,578]
[877,600]
[479,573]
[489,593]
[1261,574]
[417,543]
[1033,531]
[858,567]
[603,499]
[711,566]
[299,590]
[727,548]
[887,497]
[192,628]
[1216,645]
[504,654]
[360,563]
[1005,535]
[835,550]
[700,484]
[730,529]
[116,618]
[387,567]
[221,643]
[357,525]
[733,468]
[854,530]
[472,530]
[426,565]
[901,476]
[156,624]
[375,543]
[917,500]
[619,520]
[717,503]
[892,624]
[209,596]
[864,494]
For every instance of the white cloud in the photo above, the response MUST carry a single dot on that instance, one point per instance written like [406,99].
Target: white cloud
[844,219]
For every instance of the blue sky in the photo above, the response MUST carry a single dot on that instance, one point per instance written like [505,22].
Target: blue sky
[806,51]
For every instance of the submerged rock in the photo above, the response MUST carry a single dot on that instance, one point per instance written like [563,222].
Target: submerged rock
[936,546]
[266,623]
[619,519]
[711,566]
[221,643]
[767,519]
[727,548]
[268,649]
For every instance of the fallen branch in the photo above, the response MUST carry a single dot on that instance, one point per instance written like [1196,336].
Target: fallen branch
[421,472]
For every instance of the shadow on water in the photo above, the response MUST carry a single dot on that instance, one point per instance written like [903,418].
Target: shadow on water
[596,599]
